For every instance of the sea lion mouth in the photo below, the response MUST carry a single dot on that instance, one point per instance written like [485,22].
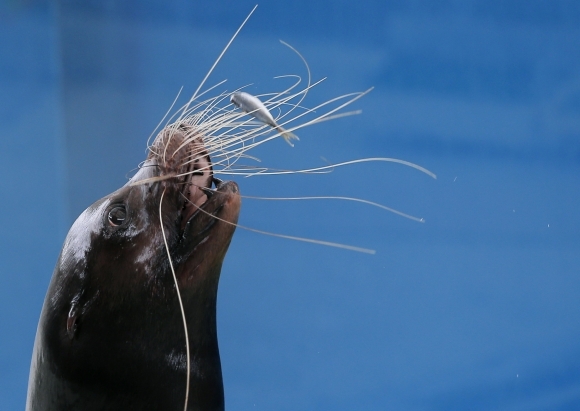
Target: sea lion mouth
[214,201]
[202,208]
[198,177]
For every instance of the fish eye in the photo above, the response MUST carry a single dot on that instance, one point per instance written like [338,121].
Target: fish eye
[117,215]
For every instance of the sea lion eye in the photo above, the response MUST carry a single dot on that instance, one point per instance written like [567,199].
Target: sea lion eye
[117,215]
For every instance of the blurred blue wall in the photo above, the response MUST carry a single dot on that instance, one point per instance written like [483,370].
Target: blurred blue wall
[475,309]
[34,206]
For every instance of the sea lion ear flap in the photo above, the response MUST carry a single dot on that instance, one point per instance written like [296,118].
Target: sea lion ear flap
[72,319]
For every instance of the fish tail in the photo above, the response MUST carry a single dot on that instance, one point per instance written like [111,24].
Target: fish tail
[288,136]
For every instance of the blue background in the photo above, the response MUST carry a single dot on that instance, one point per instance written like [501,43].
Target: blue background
[478,308]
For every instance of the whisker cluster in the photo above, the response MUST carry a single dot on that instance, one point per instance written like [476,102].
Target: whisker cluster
[228,134]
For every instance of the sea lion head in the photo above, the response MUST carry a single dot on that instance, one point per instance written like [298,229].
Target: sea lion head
[111,332]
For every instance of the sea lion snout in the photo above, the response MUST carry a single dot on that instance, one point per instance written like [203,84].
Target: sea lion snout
[208,232]
[230,192]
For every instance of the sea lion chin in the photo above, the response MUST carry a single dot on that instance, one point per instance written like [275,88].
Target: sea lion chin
[111,334]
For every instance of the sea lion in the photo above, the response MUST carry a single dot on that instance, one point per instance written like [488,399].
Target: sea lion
[111,334]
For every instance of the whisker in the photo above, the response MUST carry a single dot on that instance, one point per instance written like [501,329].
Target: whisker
[187,350]
[342,198]
[290,237]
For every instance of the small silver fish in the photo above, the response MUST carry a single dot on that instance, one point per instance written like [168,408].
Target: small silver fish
[254,107]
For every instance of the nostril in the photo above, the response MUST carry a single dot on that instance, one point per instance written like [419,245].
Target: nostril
[207,191]
[217,182]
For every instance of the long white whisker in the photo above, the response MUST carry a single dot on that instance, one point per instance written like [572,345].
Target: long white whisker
[188,368]
[307,69]
[165,116]
[342,198]
[223,52]
[291,237]
[332,166]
